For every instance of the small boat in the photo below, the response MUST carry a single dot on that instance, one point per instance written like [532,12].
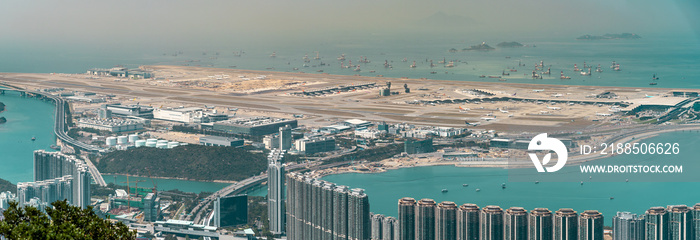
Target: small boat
[444,190]
[652,83]
[54,147]
[581,182]
[503,185]
[433,72]
[478,190]
[611,198]
[33,138]
[465,185]
[537,182]
[654,77]
[482,76]
[627,180]
[502,79]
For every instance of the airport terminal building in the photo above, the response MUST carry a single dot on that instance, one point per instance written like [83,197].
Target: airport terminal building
[256,126]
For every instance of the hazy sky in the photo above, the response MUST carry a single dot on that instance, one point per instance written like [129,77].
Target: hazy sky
[175,22]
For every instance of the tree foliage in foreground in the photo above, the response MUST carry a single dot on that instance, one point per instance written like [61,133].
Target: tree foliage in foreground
[63,221]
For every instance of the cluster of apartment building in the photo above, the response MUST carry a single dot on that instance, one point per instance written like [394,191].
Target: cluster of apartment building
[318,209]
[56,177]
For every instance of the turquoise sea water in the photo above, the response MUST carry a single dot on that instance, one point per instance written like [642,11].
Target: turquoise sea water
[639,194]
[167,184]
[26,118]
[671,58]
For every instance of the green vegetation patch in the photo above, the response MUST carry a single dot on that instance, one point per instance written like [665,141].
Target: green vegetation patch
[7,186]
[193,162]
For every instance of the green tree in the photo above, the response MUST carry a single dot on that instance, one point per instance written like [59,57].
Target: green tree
[62,221]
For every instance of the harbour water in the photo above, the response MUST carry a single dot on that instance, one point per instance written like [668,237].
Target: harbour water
[637,195]
[671,58]
[167,184]
[26,118]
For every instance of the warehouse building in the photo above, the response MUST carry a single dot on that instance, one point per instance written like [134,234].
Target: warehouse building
[256,126]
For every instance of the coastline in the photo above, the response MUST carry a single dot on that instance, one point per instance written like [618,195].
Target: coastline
[172,178]
[573,161]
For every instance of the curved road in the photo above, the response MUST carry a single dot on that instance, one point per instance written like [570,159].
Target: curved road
[60,131]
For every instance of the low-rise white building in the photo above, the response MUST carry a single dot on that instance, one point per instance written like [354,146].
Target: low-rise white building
[367,133]
[187,115]
[315,145]
[111,124]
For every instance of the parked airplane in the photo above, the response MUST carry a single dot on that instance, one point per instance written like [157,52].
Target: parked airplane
[472,124]
[503,111]
[488,118]
[209,107]
[603,114]
[554,108]
[538,90]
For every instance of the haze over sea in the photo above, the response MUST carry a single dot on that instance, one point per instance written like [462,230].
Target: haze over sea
[672,58]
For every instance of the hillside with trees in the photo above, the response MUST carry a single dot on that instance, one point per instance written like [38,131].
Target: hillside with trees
[193,162]
[7,186]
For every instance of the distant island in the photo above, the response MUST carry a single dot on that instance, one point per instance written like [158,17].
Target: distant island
[610,36]
[481,47]
[509,44]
